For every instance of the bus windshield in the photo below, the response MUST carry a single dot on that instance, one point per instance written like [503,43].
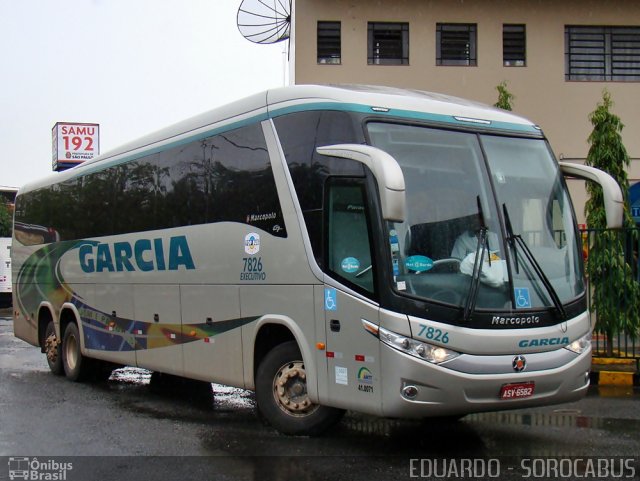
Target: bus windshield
[487,217]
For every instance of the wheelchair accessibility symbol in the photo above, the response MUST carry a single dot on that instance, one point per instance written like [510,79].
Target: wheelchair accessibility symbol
[523,299]
[330,300]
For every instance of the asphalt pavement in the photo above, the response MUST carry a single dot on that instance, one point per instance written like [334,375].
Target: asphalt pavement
[140,426]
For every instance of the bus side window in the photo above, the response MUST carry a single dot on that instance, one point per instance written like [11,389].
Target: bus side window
[349,235]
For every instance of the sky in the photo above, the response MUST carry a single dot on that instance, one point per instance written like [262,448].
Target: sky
[132,66]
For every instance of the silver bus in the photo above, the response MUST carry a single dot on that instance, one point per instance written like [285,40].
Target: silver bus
[399,253]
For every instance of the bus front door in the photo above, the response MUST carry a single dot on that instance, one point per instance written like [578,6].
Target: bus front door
[352,352]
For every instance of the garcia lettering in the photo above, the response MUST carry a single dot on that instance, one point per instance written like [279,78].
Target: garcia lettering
[143,255]
[549,341]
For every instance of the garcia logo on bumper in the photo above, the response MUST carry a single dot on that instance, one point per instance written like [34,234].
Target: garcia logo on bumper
[544,341]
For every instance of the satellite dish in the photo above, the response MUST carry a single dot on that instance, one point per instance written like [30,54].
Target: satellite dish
[265,21]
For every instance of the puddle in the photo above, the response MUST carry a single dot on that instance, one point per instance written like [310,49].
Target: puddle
[131,375]
[211,396]
[561,418]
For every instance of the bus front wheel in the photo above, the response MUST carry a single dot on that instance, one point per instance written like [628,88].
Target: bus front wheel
[281,393]
[76,366]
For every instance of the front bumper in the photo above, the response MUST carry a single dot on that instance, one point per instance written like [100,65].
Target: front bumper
[442,391]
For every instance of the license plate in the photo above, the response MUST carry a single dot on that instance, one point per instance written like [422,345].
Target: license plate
[517,390]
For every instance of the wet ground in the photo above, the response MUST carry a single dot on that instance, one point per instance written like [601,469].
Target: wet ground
[159,427]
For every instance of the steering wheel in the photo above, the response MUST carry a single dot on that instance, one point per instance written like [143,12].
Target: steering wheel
[447,261]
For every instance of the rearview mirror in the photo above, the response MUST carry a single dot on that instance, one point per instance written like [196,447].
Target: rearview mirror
[386,170]
[613,201]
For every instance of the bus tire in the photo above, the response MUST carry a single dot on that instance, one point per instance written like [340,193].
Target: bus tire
[76,366]
[53,350]
[281,394]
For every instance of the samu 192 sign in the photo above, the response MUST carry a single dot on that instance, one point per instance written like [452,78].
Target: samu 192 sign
[73,143]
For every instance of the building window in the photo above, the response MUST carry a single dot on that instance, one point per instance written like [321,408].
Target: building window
[456,44]
[388,43]
[329,47]
[514,45]
[602,53]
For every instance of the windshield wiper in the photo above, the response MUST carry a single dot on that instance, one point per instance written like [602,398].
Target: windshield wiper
[516,240]
[481,247]
[510,237]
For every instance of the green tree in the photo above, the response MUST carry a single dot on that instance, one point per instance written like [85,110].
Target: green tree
[616,295]
[5,220]
[504,97]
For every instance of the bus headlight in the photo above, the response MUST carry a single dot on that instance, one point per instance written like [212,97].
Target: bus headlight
[580,345]
[421,350]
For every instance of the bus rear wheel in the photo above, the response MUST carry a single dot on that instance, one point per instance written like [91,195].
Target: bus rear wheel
[76,366]
[52,350]
[281,393]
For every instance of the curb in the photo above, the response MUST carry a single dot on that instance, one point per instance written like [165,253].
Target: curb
[614,378]
[612,361]
[607,371]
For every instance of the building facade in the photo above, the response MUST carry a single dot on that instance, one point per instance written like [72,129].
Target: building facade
[555,57]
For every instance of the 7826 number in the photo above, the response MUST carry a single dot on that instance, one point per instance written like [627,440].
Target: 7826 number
[252,264]
[433,334]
